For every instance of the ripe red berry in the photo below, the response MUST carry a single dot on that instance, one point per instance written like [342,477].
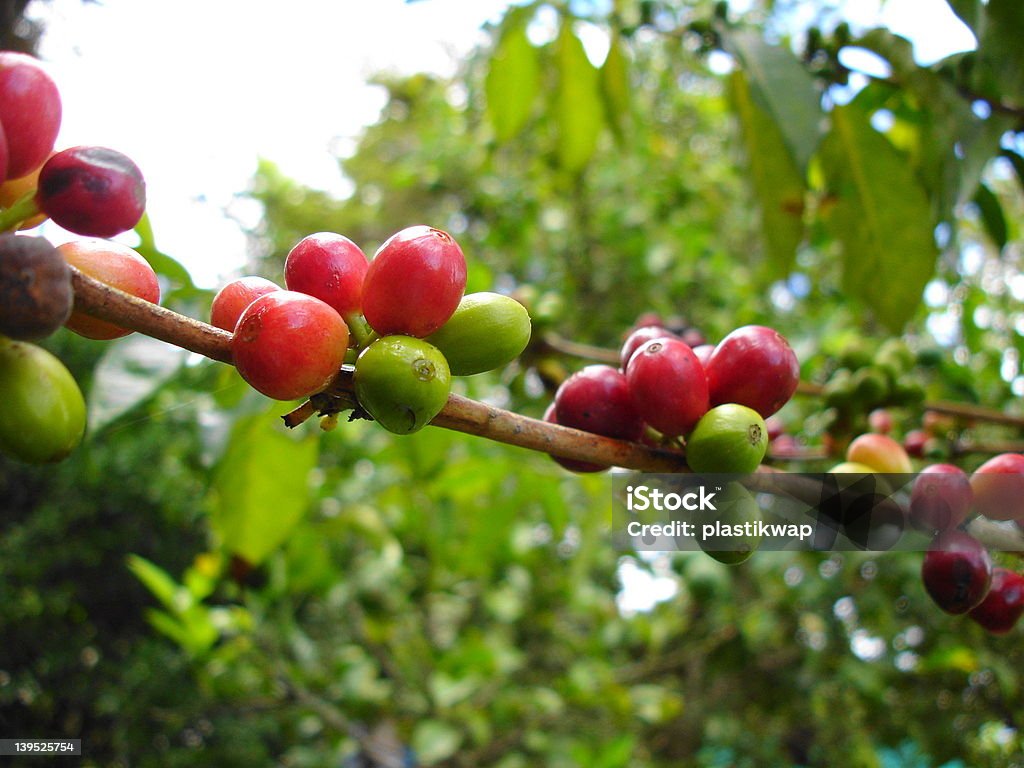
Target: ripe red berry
[941,498]
[639,337]
[668,386]
[1004,604]
[753,366]
[288,345]
[330,267]
[414,283]
[998,486]
[596,399]
[92,191]
[957,571]
[116,265]
[571,464]
[233,298]
[30,113]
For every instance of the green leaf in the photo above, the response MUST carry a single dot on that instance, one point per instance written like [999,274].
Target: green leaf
[434,741]
[778,183]
[513,78]
[160,583]
[261,487]
[163,264]
[1018,164]
[615,86]
[881,216]
[991,211]
[996,70]
[783,88]
[579,112]
[967,10]
[129,373]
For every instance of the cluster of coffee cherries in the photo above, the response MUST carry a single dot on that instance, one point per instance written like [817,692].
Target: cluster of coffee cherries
[712,398]
[90,191]
[958,572]
[403,319]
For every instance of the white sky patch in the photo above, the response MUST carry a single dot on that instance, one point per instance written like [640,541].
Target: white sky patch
[195,92]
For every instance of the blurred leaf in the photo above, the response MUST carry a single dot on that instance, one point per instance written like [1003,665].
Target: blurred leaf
[615,85]
[163,264]
[434,741]
[160,583]
[991,211]
[513,77]
[778,184]
[880,215]
[997,68]
[578,111]
[1017,162]
[129,373]
[783,88]
[967,10]
[261,487]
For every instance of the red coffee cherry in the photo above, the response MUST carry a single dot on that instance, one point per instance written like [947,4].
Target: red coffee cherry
[638,338]
[998,486]
[668,386]
[1004,603]
[330,267]
[957,571]
[116,265]
[703,353]
[233,298]
[596,399]
[30,112]
[941,498]
[414,283]
[92,191]
[753,366]
[916,442]
[288,345]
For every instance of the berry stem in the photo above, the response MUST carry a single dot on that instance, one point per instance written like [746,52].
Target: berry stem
[22,210]
[361,331]
[460,414]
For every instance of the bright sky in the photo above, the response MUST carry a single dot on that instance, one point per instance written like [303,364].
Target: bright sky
[194,91]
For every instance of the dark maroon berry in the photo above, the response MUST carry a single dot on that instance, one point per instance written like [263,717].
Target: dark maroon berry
[753,366]
[596,399]
[668,386]
[639,337]
[941,498]
[92,191]
[957,571]
[915,442]
[1004,603]
[35,288]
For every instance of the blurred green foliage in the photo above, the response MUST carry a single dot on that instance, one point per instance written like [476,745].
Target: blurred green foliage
[197,587]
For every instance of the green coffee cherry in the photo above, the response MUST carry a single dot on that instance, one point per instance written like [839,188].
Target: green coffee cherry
[42,411]
[487,331]
[729,438]
[735,507]
[402,382]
